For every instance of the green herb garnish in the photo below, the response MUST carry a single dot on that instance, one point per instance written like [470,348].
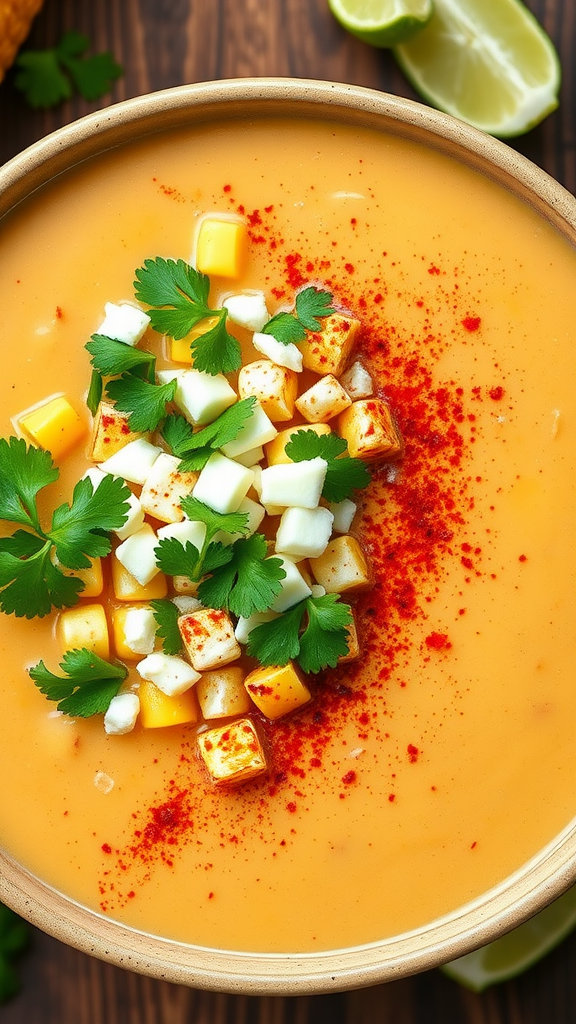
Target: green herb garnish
[30,581]
[196,447]
[14,937]
[177,559]
[87,687]
[290,328]
[249,582]
[319,645]
[144,402]
[166,614]
[344,474]
[47,77]
[111,358]
[178,298]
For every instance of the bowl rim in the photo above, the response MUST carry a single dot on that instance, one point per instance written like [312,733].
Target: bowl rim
[535,883]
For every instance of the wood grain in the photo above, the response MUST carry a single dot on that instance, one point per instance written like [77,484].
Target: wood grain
[162,43]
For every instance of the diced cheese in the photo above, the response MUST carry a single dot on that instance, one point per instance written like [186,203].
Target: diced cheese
[342,566]
[370,430]
[170,674]
[137,554]
[324,400]
[221,693]
[251,458]
[343,512]
[134,629]
[55,426]
[223,484]
[294,483]
[248,309]
[135,518]
[164,487]
[84,626]
[133,462]
[221,247]
[124,322]
[188,531]
[257,430]
[232,753]
[274,386]
[208,637]
[283,355]
[126,588]
[122,714]
[294,587]
[186,605]
[202,397]
[357,381]
[276,690]
[304,532]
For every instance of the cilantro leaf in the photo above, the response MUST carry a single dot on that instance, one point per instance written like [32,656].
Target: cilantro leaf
[318,646]
[166,614]
[145,402]
[22,544]
[248,583]
[46,77]
[178,297]
[111,358]
[14,937]
[24,471]
[344,474]
[177,559]
[312,303]
[286,328]
[217,554]
[78,529]
[32,586]
[230,522]
[87,687]
[94,392]
[196,447]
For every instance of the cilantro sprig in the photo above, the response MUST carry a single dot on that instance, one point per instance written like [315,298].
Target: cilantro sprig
[31,580]
[145,403]
[177,559]
[134,389]
[344,474]
[178,298]
[194,448]
[313,632]
[87,687]
[248,582]
[14,937]
[311,306]
[166,615]
[46,77]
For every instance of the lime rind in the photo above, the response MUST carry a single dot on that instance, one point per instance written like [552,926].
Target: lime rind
[382,23]
[518,950]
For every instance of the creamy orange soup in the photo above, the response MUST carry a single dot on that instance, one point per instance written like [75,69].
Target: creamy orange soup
[443,759]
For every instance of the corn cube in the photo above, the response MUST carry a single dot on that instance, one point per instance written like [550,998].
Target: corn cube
[325,399]
[232,753]
[277,690]
[55,426]
[134,630]
[208,637]
[221,693]
[342,566]
[370,430]
[158,711]
[274,386]
[84,626]
[164,487]
[127,588]
[111,432]
[276,449]
[329,350]
[222,247]
[180,350]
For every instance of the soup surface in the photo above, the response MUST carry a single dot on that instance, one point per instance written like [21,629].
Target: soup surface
[443,759]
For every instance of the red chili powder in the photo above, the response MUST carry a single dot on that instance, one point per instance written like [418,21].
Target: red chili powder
[413,753]
[471,323]
[438,641]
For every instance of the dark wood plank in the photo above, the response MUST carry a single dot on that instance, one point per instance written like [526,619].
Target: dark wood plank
[162,43]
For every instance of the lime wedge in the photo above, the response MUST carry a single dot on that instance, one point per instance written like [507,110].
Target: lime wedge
[519,949]
[487,62]
[382,22]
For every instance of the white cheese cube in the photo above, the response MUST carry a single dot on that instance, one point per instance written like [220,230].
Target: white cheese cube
[135,511]
[188,531]
[294,587]
[257,430]
[171,674]
[122,713]
[343,512]
[208,636]
[357,382]
[244,626]
[251,458]
[123,322]
[163,488]
[324,400]
[140,630]
[202,397]
[248,309]
[133,462]
[304,532]
[282,355]
[186,605]
[223,484]
[256,514]
[165,376]
[294,483]
[137,554]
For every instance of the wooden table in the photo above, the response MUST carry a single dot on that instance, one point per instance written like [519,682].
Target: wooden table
[162,43]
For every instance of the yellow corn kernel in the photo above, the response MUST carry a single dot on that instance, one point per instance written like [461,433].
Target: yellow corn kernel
[277,690]
[221,693]
[55,426]
[276,450]
[126,588]
[157,711]
[111,432]
[84,626]
[222,247]
[329,350]
[342,566]
[124,652]
[92,578]
[232,753]
[180,351]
